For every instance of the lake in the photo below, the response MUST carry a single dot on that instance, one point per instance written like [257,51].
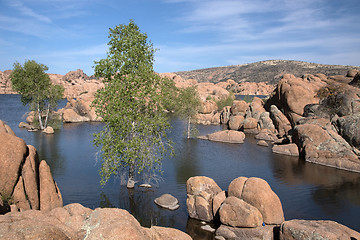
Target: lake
[306,191]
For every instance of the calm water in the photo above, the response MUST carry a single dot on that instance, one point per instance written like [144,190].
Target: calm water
[307,191]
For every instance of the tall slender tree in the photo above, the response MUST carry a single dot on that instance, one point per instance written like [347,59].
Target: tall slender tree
[188,106]
[132,106]
[36,89]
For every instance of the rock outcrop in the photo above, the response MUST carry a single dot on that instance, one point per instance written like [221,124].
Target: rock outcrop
[227,136]
[77,222]
[25,182]
[305,229]
[250,209]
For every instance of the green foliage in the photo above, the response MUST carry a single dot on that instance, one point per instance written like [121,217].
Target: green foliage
[36,89]
[7,199]
[132,105]
[226,101]
[188,105]
[248,98]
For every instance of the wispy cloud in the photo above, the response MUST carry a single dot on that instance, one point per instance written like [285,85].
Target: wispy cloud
[26,11]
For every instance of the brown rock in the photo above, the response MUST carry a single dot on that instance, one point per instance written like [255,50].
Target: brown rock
[19,196]
[237,213]
[282,124]
[225,115]
[48,130]
[112,223]
[265,121]
[167,201]
[262,143]
[228,136]
[261,233]
[70,115]
[50,196]
[306,229]
[259,194]
[30,174]
[209,106]
[352,73]
[255,109]
[236,187]
[201,191]
[239,107]
[217,201]
[236,122]
[13,151]
[267,135]
[325,146]
[162,233]
[6,129]
[33,224]
[286,149]
[250,123]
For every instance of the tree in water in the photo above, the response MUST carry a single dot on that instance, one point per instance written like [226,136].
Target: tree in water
[188,106]
[36,89]
[132,106]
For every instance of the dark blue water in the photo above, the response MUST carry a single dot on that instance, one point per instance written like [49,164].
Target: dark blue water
[307,191]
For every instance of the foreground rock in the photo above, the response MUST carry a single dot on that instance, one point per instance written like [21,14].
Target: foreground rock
[200,193]
[24,181]
[77,222]
[304,229]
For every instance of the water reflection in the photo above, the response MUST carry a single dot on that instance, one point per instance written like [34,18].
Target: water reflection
[186,161]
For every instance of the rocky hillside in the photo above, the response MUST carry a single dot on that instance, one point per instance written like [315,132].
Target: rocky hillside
[265,71]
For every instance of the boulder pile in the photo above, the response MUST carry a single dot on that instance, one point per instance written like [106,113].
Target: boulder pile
[250,209]
[25,182]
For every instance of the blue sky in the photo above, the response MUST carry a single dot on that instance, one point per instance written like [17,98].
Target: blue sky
[67,35]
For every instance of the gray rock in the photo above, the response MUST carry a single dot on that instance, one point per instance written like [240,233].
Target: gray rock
[167,201]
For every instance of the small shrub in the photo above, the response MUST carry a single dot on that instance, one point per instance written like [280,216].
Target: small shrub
[248,98]
[227,101]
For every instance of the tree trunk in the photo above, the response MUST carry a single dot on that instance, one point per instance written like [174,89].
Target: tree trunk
[47,115]
[40,120]
[188,128]
[131,180]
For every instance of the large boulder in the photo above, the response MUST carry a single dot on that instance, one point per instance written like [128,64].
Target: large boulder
[200,193]
[265,122]
[239,107]
[281,123]
[23,181]
[293,94]
[306,229]
[322,145]
[267,232]
[349,128]
[286,149]
[69,115]
[236,187]
[77,222]
[209,106]
[256,108]
[208,119]
[237,213]
[50,196]
[227,136]
[13,152]
[258,193]
[236,122]
[267,135]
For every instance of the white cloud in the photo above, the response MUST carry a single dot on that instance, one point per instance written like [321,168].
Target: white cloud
[24,10]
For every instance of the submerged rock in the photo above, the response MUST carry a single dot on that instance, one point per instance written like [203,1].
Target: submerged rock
[167,201]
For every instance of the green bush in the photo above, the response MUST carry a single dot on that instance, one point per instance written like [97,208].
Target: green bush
[227,101]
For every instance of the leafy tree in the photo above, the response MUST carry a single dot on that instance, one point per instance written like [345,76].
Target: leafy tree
[188,106]
[132,105]
[36,89]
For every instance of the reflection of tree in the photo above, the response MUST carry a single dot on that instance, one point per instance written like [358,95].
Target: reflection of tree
[48,149]
[186,160]
[105,201]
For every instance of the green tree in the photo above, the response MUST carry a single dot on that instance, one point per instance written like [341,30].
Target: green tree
[36,89]
[188,106]
[131,104]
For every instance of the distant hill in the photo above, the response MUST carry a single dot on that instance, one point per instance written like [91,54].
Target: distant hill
[265,71]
